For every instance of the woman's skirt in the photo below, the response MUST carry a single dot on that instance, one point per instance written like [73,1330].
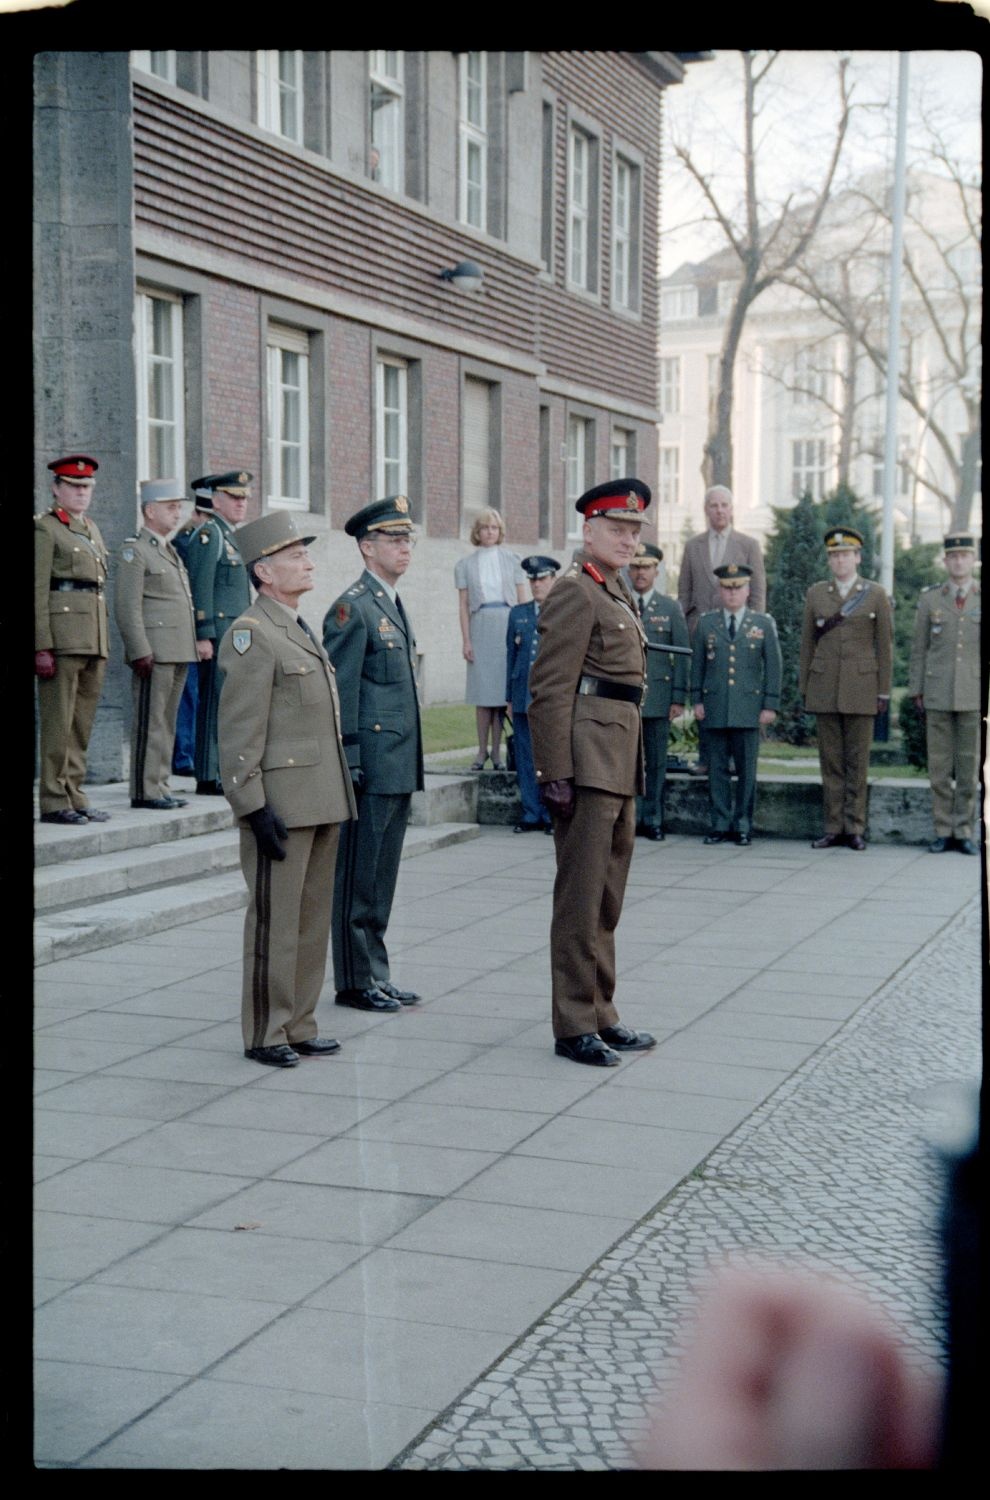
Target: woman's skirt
[486,674]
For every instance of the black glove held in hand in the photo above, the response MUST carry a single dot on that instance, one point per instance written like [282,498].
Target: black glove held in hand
[558,798]
[357,780]
[268,828]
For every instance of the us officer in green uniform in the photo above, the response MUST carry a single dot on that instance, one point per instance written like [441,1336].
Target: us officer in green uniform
[945,684]
[71,637]
[735,684]
[154,612]
[666,682]
[587,685]
[368,637]
[221,591]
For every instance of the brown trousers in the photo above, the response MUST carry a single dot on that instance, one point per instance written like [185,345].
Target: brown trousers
[286,932]
[594,849]
[66,710]
[953,768]
[844,742]
[155,703]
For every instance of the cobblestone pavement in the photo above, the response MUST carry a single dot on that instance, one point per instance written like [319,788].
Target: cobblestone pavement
[832,1168]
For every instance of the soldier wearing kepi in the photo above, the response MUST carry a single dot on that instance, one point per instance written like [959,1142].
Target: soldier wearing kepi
[666,682]
[221,591]
[154,612]
[587,686]
[735,684]
[945,684]
[521,642]
[285,776]
[368,637]
[71,637]
[844,677]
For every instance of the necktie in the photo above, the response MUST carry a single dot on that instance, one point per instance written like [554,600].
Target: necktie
[639,604]
[960,598]
[303,626]
[732,627]
[402,613]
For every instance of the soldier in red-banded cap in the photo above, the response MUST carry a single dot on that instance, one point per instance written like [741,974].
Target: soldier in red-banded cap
[71,637]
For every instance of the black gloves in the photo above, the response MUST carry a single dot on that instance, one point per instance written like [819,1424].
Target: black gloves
[558,798]
[268,828]
[357,779]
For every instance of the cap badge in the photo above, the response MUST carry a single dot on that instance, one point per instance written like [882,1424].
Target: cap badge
[242,478]
[401,504]
[632,501]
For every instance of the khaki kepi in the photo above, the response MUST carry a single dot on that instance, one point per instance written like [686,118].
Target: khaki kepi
[258,539]
[155,490]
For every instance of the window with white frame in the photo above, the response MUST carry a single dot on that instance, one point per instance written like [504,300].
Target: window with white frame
[159,64]
[473,139]
[679,302]
[809,467]
[581,196]
[670,385]
[288,418]
[579,450]
[670,475]
[809,377]
[280,93]
[160,386]
[622,458]
[625,235]
[391,426]
[388,137]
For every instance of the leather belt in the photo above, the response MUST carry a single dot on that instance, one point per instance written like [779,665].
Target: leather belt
[63,585]
[600,687]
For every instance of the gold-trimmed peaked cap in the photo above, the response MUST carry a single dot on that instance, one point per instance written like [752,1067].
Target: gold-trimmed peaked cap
[842,538]
[390,514]
[256,540]
[621,499]
[233,482]
[646,552]
[734,575]
[77,468]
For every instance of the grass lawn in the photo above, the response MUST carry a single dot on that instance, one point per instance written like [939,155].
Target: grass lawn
[449,726]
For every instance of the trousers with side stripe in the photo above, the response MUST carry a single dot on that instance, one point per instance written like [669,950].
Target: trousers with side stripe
[367,870]
[286,934]
[155,703]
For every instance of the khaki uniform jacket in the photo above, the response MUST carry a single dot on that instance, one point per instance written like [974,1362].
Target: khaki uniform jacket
[72,622]
[736,679]
[697,586]
[666,676]
[279,722]
[945,652]
[152,601]
[850,667]
[588,628]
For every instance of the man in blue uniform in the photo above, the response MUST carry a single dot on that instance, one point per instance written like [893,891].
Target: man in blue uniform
[370,641]
[735,678]
[666,682]
[521,641]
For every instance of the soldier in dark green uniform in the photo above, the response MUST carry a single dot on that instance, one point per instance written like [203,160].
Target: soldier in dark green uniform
[369,639]
[735,684]
[221,591]
[184,750]
[666,682]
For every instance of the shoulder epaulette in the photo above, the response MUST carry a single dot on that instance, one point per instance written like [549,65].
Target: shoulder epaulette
[357,588]
[132,539]
[250,620]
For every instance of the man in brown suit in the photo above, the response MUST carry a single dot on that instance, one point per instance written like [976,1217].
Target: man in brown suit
[154,612]
[697,585]
[945,684]
[71,637]
[844,677]
[285,774]
[587,685]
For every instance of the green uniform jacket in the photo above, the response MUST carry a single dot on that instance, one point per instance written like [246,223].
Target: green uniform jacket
[945,652]
[279,722]
[849,668]
[152,602]
[72,622]
[588,628]
[666,676]
[221,588]
[373,652]
[736,680]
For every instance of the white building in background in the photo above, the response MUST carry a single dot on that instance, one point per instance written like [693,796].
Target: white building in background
[792,368]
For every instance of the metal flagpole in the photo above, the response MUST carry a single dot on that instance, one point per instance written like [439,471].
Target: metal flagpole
[894,336]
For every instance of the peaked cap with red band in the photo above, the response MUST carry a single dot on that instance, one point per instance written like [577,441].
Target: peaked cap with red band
[76,469]
[621,499]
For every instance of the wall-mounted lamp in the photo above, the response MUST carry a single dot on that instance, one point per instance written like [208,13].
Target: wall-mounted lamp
[466,277]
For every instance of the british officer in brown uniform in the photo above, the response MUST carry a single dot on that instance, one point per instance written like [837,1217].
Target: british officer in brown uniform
[285,775]
[844,676]
[587,686]
[153,607]
[71,637]
[945,684]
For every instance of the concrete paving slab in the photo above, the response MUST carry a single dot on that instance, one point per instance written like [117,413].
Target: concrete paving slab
[488,1091]
[664,1152]
[49,1166]
[77,1406]
[441,1124]
[105,1025]
[321,1115]
[311,1211]
[232,1149]
[694,1045]
[350,1078]
[77,1246]
[688,1076]
[663,1110]
[738,1023]
[760,998]
[226,1263]
[137,1098]
[72,1055]
[398,1045]
[69,1135]
[511,1235]
[543,1182]
[186,1001]
[434,1022]
[115,1190]
[388,1166]
[195,1064]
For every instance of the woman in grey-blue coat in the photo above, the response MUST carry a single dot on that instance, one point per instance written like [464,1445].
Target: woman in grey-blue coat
[489,581]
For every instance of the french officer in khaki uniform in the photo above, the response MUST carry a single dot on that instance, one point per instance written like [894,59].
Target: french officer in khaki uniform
[587,685]
[221,591]
[369,639]
[154,612]
[844,676]
[735,683]
[666,682]
[285,775]
[71,638]
[945,684]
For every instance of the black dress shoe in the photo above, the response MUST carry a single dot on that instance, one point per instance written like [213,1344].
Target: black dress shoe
[276,1057]
[372,999]
[856,841]
[547,827]
[627,1040]
[828,841]
[940,846]
[966,846]
[588,1048]
[404,997]
[655,832]
[743,840]
[94,814]
[209,788]
[64,815]
[156,804]
[525,827]
[318,1046]
[715,838]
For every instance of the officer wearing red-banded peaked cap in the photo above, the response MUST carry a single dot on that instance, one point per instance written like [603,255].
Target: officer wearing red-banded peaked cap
[619,499]
[77,468]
